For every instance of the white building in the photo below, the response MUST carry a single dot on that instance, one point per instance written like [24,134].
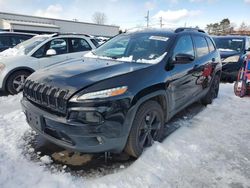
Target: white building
[34,24]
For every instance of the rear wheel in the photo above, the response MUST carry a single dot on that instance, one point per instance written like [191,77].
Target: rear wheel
[16,81]
[213,91]
[147,127]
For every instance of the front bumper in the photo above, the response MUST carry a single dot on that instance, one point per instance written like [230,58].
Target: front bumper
[111,135]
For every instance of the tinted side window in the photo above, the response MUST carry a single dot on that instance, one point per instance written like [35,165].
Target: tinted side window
[59,45]
[79,45]
[4,41]
[210,44]
[184,46]
[201,46]
[41,52]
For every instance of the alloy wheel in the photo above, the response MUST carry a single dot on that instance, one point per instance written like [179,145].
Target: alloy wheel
[18,82]
[149,129]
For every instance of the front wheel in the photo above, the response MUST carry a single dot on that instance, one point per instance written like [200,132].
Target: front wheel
[16,82]
[147,127]
[213,91]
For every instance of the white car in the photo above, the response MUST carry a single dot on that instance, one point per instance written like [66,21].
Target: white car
[17,63]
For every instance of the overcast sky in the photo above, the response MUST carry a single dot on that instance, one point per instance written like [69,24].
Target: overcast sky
[129,13]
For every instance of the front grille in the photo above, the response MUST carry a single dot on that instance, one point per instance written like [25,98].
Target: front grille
[46,96]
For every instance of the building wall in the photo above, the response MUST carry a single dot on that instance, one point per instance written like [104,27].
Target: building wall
[65,26]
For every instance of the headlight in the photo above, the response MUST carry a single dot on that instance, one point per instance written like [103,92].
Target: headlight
[103,93]
[232,59]
[2,66]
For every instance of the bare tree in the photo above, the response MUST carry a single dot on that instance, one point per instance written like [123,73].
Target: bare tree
[243,28]
[99,18]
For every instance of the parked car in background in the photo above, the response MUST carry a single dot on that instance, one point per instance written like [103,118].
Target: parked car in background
[125,91]
[233,51]
[11,39]
[17,63]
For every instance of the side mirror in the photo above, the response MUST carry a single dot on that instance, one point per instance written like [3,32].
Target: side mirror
[183,58]
[50,52]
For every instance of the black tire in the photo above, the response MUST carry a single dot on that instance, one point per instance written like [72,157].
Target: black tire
[213,91]
[15,82]
[148,126]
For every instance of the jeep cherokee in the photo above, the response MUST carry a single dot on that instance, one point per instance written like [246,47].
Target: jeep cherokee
[119,96]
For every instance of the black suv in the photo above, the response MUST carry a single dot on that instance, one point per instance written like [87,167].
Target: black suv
[119,96]
[11,39]
[233,51]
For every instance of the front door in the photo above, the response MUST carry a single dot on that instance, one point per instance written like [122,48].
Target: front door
[182,80]
[60,45]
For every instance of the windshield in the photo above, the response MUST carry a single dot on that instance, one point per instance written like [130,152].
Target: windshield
[229,44]
[141,48]
[28,45]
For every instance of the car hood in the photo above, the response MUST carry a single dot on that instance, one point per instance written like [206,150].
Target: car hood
[226,54]
[77,74]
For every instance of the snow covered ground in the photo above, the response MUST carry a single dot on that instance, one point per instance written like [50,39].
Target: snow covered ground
[212,149]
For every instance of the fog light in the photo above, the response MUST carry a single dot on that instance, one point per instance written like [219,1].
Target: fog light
[90,117]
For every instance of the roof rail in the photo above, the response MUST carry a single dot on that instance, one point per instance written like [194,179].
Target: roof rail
[181,29]
[57,34]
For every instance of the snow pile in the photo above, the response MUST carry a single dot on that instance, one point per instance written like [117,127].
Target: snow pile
[225,50]
[210,150]
[152,61]
[46,159]
[12,52]
[127,59]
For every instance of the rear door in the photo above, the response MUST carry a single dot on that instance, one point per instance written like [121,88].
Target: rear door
[78,47]
[203,66]
[182,81]
[60,45]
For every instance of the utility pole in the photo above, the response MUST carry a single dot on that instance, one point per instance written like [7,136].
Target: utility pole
[161,22]
[147,19]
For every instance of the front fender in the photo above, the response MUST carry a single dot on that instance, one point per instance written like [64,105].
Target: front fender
[132,111]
